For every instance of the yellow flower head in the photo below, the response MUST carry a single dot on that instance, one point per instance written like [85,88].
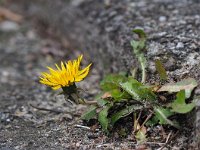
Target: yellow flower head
[65,75]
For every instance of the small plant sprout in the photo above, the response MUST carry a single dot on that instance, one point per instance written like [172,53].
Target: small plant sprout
[125,98]
[138,49]
[65,77]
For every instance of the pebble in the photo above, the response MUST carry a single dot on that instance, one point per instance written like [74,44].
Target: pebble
[162,18]
[31,35]
[170,65]
[76,2]
[180,45]
[193,59]
[157,35]
[155,48]
[8,26]
[4,117]
[197,92]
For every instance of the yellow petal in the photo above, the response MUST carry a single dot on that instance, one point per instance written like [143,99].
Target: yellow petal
[85,69]
[65,74]
[82,74]
[57,67]
[56,87]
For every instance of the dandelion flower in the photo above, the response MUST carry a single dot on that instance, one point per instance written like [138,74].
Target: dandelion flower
[66,75]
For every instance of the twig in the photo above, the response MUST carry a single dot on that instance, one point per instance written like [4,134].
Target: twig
[84,127]
[134,72]
[10,15]
[51,110]
[148,117]
[80,126]
[136,121]
[139,115]
[90,102]
[168,139]
[155,143]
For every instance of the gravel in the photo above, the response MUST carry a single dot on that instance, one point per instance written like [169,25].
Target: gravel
[102,30]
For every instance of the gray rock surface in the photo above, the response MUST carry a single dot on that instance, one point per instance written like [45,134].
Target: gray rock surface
[102,29]
[8,26]
[24,55]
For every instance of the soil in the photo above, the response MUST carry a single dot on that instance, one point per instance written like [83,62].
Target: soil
[173,28]
[24,55]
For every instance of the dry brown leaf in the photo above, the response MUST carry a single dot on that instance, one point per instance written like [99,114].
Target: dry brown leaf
[106,95]
[8,14]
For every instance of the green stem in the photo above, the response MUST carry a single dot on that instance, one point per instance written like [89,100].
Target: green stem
[71,93]
[143,74]
[134,72]
[143,67]
[70,89]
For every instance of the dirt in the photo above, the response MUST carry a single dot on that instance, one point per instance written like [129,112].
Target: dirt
[23,56]
[103,31]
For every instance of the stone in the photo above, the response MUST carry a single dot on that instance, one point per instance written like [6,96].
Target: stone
[162,18]
[8,26]
[180,45]
[88,25]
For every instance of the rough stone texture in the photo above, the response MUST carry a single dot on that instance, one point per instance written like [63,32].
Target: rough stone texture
[102,29]
[24,56]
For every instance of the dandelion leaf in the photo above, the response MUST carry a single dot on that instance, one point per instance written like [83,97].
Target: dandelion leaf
[137,90]
[179,105]
[103,118]
[186,84]
[119,95]
[162,115]
[100,101]
[111,82]
[123,113]
[91,113]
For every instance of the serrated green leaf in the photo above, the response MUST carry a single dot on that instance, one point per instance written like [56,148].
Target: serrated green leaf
[119,95]
[101,102]
[162,115]
[111,82]
[186,84]
[135,44]
[152,122]
[138,46]
[179,104]
[91,113]
[123,113]
[137,90]
[161,70]
[103,119]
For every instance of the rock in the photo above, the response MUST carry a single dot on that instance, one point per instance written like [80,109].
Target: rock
[180,45]
[193,59]
[154,49]
[170,65]
[162,18]
[91,25]
[157,35]
[8,26]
